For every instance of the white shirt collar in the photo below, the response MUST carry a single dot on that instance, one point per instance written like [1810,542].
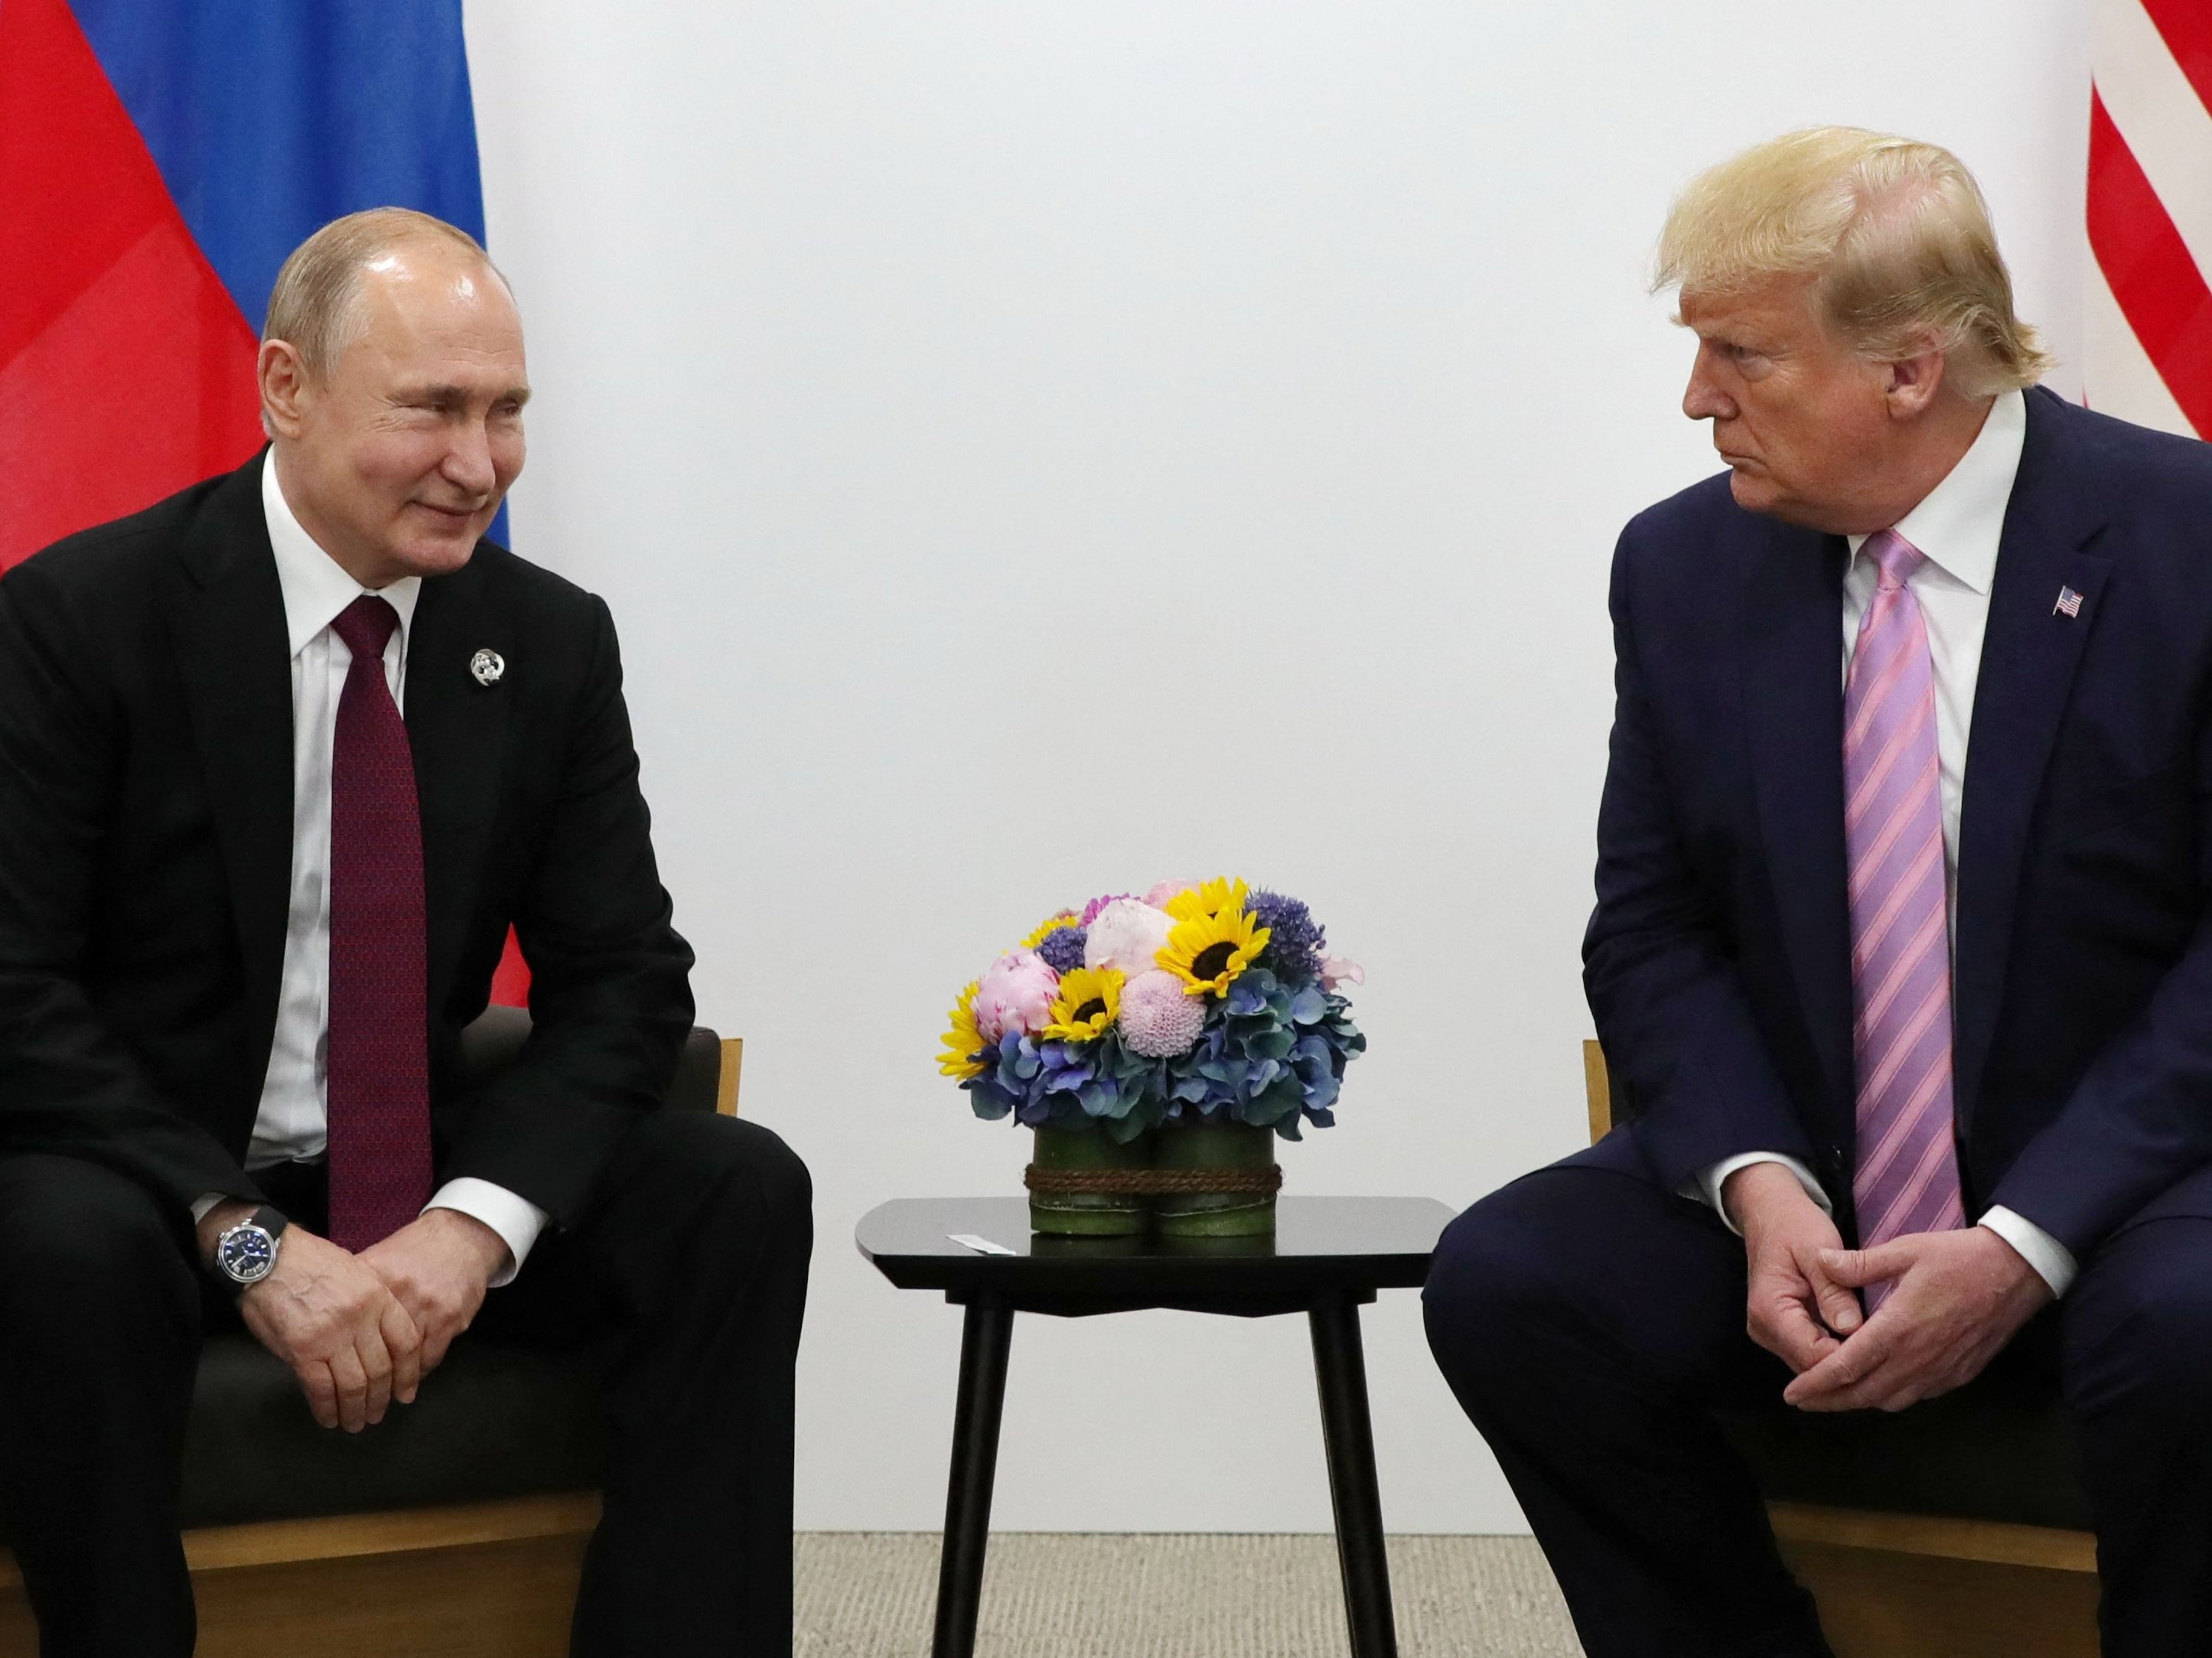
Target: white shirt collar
[316,586]
[1959,523]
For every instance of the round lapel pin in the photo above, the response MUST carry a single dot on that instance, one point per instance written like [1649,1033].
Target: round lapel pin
[486,666]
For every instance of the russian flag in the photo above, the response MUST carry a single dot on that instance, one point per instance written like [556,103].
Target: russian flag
[158,159]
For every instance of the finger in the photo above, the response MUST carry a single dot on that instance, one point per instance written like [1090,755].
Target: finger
[1849,1366]
[376,1365]
[1794,1337]
[1839,1308]
[353,1389]
[1860,1267]
[406,1351]
[322,1392]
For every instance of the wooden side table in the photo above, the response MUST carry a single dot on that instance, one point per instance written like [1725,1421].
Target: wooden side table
[1327,1258]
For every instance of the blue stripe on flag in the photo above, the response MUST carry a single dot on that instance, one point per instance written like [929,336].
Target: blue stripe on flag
[269,118]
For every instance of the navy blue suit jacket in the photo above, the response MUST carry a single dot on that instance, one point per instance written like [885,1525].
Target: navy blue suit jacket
[1717,960]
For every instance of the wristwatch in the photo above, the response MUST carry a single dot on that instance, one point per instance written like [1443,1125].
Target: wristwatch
[247,1253]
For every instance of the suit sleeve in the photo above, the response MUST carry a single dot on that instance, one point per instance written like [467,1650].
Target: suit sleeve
[2141,1118]
[610,992]
[1686,1055]
[68,1086]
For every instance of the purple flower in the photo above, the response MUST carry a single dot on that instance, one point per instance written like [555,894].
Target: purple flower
[1062,949]
[1294,951]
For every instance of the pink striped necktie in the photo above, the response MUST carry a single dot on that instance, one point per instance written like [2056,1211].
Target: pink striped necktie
[1907,1179]
[379,1073]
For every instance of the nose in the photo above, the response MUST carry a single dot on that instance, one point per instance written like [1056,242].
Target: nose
[1703,398]
[468,463]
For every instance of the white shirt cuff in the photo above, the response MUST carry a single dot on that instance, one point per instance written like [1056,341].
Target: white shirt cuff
[516,1219]
[2053,1261]
[1707,1183]
[206,1201]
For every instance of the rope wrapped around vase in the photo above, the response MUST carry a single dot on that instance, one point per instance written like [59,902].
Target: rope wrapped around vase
[1152,1182]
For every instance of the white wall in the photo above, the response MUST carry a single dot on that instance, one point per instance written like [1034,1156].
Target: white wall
[1033,449]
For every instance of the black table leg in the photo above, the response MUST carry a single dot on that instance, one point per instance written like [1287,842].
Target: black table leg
[1342,1375]
[985,1343]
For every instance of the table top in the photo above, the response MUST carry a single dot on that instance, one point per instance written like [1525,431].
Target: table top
[1323,1247]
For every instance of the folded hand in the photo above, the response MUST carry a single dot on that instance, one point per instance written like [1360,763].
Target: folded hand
[1958,1296]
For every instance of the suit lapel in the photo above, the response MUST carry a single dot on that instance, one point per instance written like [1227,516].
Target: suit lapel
[232,658]
[2029,655]
[457,727]
[1794,718]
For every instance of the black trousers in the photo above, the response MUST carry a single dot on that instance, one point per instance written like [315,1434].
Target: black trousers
[685,1277]
[1591,1323]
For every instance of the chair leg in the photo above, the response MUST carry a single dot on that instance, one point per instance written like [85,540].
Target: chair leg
[1341,1371]
[985,1342]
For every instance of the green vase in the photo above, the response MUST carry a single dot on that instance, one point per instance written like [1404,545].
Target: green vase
[1214,1214]
[1089,1214]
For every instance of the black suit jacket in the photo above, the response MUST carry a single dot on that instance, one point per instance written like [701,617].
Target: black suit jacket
[146,848]
[1717,961]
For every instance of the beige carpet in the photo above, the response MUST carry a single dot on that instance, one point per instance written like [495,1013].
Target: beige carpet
[873,1595]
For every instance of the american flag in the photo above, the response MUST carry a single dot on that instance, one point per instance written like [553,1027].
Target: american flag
[2069,603]
[2149,323]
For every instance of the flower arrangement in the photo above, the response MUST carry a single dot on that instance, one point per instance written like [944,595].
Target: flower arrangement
[1208,1002]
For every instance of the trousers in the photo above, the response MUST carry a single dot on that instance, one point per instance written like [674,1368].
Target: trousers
[684,1278]
[1591,1324]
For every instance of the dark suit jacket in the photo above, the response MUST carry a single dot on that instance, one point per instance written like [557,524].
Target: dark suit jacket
[1717,960]
[146,849]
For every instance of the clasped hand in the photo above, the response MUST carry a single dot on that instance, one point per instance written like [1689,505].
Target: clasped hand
[360,1331]
[1957,1297]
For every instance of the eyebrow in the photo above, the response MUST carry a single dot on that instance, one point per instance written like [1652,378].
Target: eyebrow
[446,397]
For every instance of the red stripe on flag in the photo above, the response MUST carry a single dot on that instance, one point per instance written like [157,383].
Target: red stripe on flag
[510,981]
[2149,270]
[125,368]
[2187,26]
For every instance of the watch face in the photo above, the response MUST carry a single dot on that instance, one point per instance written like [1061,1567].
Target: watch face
[247,1253]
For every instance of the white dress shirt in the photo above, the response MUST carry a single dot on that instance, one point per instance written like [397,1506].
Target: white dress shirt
[1958,525]
[293,1122]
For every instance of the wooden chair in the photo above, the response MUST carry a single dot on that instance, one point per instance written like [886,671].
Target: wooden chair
[436,1568]
[1908,1553]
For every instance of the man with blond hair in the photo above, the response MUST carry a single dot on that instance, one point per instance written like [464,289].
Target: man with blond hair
[282,760]
[1915,1051]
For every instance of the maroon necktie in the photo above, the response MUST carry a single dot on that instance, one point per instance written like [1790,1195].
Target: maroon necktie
[378,1060]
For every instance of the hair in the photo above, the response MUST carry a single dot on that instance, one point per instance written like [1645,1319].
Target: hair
[314,306]
[1894,232]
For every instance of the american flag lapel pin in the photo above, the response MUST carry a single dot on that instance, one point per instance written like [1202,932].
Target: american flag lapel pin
[2069,604]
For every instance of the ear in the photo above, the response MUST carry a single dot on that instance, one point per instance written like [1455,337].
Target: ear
[1910,383]
[287,389]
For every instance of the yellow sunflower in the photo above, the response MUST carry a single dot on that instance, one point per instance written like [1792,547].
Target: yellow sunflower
[963,1042]
[1088,1002]
[1212,899]
[1052,925]
[1208,952]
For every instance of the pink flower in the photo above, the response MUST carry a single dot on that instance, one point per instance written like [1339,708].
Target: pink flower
[1126,934]
[1015,993]
[1335,971]
[1159,897]
[1090,910]
[1157,1019]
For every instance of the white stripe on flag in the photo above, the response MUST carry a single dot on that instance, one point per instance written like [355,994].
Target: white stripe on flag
[2120,377]
[2162,118]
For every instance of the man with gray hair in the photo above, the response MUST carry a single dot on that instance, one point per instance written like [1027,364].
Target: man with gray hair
[282,760]
[1915,1053]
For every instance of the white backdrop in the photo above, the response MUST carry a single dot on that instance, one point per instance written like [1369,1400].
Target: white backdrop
[1032,449]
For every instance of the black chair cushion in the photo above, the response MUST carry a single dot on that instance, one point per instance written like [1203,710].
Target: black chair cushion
[492,1421]
[1984,1452]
